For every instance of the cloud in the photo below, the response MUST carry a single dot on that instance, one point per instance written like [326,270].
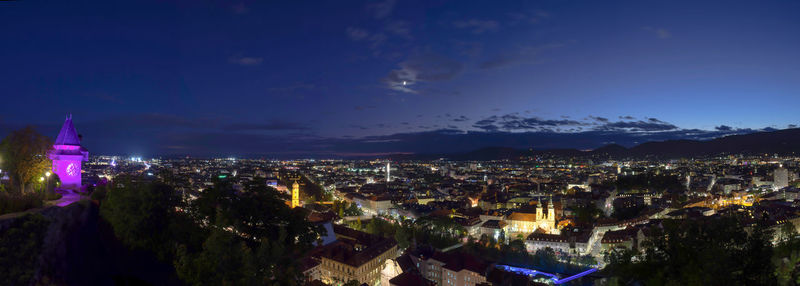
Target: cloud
[376,41]
[723,128]
[400,28]
[425,68]
[532,17]
[468,49]
[356,34]
[273,125]
[650,125]
[516,123]
[381,9]
[627,117]
[661,33]
[461,118]
[487,124]
[246,61]
[477,26]
[520,56]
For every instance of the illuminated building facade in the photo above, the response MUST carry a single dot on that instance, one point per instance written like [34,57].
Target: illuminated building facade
[527,223]
[67,155]
[295,194]
[355,255]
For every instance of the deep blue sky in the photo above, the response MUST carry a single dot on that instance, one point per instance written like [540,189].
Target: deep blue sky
[300,78]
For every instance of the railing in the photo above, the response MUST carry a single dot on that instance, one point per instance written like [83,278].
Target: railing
[553,277]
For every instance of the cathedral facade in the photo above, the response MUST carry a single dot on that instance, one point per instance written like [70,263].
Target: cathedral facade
[543,221]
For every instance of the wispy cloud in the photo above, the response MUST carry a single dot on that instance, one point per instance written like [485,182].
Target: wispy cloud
[423,68]
[477,26]
[356,34]
[246,61]
[532,17]
[661,33]
[381,9]
[516,122]
[272,125]
[529,54]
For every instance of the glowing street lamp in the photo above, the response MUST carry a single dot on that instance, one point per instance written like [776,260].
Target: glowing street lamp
[47,174]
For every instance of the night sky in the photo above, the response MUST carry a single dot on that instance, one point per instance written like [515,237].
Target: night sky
[340,78]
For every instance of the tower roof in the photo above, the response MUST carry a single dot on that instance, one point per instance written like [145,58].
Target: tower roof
[68,134]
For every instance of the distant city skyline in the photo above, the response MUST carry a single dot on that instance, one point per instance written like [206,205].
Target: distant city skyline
[155,78]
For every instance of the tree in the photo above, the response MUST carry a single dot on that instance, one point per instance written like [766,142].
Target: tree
[714,251]
[20,246]
[352,283]
[142,214]
[255,238]
[225,260]
[788,231]
[24,155]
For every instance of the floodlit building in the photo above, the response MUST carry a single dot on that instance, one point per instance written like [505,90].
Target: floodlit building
[780,178]
[527,223]
[355,255]
[67,155]
[451,268]
[295,194]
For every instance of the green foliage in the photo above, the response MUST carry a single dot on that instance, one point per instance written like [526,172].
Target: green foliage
[587,214]
[515,253]
[627,213]
[786,259]
[257,212]
[352,283]
[309,191]
[20,245]
[24,156]
[225,237]
[255,239]
[100,193]
[691,252]
[141,214]
[225,260]
[10,203]
[343,209]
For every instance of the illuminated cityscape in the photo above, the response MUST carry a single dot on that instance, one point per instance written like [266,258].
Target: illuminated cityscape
[395,143]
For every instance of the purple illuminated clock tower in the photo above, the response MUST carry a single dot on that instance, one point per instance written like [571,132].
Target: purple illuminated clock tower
[67,155]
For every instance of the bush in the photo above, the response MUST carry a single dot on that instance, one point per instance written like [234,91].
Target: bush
[11,203]
[20,245]
[52,196]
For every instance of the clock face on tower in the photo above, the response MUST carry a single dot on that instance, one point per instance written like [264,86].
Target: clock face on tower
[72,169]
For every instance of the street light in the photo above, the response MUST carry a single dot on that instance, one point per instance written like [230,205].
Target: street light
[47,174]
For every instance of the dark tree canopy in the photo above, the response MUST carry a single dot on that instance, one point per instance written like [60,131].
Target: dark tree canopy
[697,252]
[23,153]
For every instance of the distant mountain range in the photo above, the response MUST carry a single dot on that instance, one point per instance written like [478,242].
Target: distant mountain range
[786,141]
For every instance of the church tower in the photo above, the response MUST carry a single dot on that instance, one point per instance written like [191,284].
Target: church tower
[551,211]
[295,195]
[539,211]
[67,155]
